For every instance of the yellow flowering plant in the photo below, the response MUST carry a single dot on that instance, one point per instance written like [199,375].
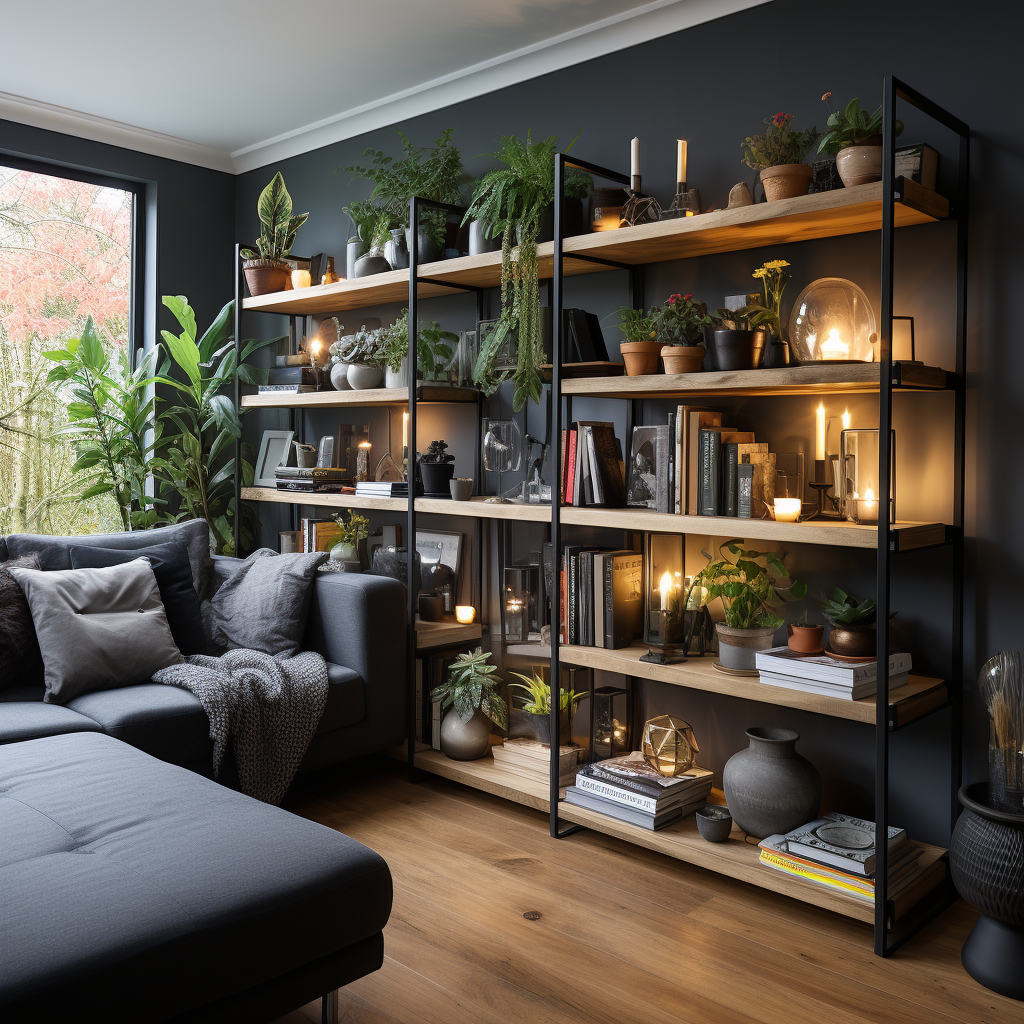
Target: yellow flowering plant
[773,278]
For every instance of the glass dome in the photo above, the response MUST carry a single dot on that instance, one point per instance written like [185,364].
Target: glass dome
[832,322]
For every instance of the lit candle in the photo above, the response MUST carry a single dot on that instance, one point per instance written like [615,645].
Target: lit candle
[634,157]
[314,352]
[465,613]
[301,279]
[681,161]
[665,590]
[819,433]
[846,419]
[833,347]
[787,510]
[867,508]
[405,430]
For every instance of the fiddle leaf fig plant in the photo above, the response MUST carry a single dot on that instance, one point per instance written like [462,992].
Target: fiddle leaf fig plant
[469,687]
[279,226]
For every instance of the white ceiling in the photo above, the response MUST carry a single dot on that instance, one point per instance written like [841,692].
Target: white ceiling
[236,85]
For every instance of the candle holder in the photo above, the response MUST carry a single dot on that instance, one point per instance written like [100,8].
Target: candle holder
[822,485]
[675,615]
[685,203]
[638,208]
[610,724]
[860,486]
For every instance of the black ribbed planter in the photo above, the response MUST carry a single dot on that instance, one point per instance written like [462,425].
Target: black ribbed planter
[986,862]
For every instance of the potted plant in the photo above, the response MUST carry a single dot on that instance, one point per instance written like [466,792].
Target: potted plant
[268,271]
[853,633]
[378,227]
[680,326]
[751,585]
[514,200]
[640,348]
[737,345]
[437,467]
[532,718]
[353,530]
[778,155]
[854,137]
[428,172]
[434,350]
[363,215]
[363,352]
[766,316]
[468,691]
[805,638]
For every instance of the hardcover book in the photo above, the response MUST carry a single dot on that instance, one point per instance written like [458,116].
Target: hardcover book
[623,598]
[841,841]
[700,419]
[744,486]
[826,669]
[648,468]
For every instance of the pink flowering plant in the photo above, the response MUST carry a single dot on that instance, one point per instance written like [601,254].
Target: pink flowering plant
[681,320]
[779,144]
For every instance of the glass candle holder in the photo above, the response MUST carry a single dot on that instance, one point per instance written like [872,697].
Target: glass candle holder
[301,279]
[665,597]
[609,723]
[787,510]
[861,490]
[832,322]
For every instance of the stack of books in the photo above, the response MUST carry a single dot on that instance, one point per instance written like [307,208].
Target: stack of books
[837,851]
[290,380]
[593,473]
[532,760]
[602,597]
[629,789]
[819,673]
[318,479]
[319,534]
[382,488]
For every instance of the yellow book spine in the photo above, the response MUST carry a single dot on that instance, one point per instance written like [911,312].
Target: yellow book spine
[781,864]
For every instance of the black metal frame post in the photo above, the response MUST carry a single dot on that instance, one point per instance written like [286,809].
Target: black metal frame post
[238,400]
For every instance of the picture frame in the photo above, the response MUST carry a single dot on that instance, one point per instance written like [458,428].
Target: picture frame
[325,452]
[275,447]
[438,545]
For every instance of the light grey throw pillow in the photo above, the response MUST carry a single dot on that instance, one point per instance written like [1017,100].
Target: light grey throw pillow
[97,628]
[264,603]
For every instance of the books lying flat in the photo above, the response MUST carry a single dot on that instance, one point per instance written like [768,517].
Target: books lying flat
[310,484]
[312,473]
[694,786]
[841,841]
[633,816]
[822,668]
[530,759]
[286,389]
[839,690]
[382,488]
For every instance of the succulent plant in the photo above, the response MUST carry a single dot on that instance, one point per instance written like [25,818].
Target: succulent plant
[437,454]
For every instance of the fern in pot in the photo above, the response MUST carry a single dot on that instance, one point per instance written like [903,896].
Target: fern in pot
[468,692]
[265,268]
[514,201]
[752,586]
[378,226]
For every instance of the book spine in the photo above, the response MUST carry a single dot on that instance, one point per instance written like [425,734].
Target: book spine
[744,490]
[780,864]
[671,463]
[574,562]
[570,483]
[609,603]
[620,796]
[709,473]
[729,486]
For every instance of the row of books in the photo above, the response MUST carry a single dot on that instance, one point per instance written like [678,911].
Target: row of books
[317,479]
[837,851]
[318,534]
[592,469]
[602,602]
[382,488]
[630,790]
[820,673]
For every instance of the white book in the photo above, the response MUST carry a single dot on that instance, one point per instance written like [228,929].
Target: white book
[825,669]
[642,802]
[841,692]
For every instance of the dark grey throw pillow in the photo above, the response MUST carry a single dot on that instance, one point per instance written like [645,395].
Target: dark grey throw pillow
[264,604]
[97,628]
[20,661]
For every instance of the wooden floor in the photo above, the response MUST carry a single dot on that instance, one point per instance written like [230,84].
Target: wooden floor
[496,923]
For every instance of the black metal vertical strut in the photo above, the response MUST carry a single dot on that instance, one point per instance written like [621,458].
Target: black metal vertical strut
[410,540]
[238,400]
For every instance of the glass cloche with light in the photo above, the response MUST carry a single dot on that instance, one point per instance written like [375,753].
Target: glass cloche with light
[832,322]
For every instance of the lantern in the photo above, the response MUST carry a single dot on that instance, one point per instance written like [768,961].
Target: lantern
[519,603]
[832,322]
[674,610]
[669,745]
[609,723]
[860,488]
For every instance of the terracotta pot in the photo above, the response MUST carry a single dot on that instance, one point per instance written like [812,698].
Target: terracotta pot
[854,642]
[737,350]
[805,639]
[857,165]
[786,181]
[265,276]
[737,647]
[641,357]
[683,358]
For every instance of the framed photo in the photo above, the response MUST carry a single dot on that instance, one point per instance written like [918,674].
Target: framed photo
[274,451]
[325,454]
[435,546]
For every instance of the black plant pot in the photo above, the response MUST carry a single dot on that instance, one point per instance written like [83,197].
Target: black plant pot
[435,478]
[986,863]
[573,214]
[427,250]
[736,350]
[537,727]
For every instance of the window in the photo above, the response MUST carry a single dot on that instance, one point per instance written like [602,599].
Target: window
[65,257]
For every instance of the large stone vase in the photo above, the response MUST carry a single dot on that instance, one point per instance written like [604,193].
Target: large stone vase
[465,741]
[769,788]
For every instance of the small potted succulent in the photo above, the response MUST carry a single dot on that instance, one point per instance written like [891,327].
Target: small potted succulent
[778,156]
[640,347]
[437,468]
[805,638]
[853,633]
[854,137]
[353,530]
[532,718]
[751,585]
[680,325]
[265,269]
[468,691]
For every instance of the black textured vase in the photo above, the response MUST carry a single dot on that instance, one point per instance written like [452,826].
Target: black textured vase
[986,862]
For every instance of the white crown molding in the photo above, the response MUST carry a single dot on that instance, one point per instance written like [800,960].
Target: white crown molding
[659,18]
[114,133]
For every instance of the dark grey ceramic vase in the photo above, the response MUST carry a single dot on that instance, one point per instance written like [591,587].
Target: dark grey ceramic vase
[465,741]
[769,787]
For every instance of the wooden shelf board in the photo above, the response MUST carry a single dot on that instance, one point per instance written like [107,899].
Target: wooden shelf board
[445,634]
[327,500]
[791,380]
[332,399]
[485,775]
[826,214]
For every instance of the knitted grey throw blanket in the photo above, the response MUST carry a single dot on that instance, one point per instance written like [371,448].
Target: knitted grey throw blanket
[268,708]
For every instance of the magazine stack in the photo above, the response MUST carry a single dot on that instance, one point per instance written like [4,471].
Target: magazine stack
[832,677]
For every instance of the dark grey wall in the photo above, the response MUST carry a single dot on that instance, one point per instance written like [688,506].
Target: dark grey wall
[713,84]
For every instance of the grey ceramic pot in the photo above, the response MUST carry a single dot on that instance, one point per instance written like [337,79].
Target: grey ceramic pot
[427,250]
[372,263]
[479,242]
[395,251]
[737,648]
[354,248]
[465,741]
[769,787]
[714,823]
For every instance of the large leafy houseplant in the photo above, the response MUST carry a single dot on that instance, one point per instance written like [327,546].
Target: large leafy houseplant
[433,345]
[110,415]
[278,224]
[513,199]
[469,687]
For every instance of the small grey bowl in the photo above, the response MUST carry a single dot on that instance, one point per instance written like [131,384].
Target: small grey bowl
[714,823]
[461,488]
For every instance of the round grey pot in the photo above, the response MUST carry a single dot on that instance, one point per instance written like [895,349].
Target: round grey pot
[360,376]
[769,787]
[339,376]
[737,647]
[354,248]
[465,741]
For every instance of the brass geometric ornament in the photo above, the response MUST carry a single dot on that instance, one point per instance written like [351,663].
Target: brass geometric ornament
[669,745]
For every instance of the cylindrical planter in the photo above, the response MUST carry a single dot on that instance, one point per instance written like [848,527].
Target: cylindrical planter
[395,251]
[479,242]
[986,863]
[853,642]
[538,727]
[804,639]
[641,357]
[361,377]
[427,250]
[431,607]
[372,263]
[735,350]
[769,787]
[436,477]
[465,741]
[461,488]
[857,165]
[339,376]
[572,217]
[354,248]
[265,276]
[397,378]
[682,358]
[737,647]
[786,181]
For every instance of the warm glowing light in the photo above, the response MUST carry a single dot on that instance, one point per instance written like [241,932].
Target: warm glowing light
[465,613]
[787,510]
[365,444]
[819,433]
[610,218]
[634,157]
[846,419]
[867,507]
[314,351]
[405,431]
[301,279]
[665,587]
[680,160]
[833,347]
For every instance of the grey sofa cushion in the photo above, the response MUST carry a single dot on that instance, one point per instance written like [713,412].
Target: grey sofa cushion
[28,720]
[195,534]
[97,628]
[131,883]
[263,605]
[20,661]
[346,703]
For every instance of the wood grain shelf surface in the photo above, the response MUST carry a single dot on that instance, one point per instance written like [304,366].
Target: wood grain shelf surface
[445,634]
[332,399]
[840,212]
[327,500]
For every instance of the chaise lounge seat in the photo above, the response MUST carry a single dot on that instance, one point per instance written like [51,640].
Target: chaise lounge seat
[137,890]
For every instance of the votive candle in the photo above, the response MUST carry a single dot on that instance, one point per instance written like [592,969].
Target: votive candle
[301,279]
[787,510]
[465,613]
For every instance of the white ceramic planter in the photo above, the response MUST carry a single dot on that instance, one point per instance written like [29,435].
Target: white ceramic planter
[857,165]
[339,377]
[361,377]
[397,378]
